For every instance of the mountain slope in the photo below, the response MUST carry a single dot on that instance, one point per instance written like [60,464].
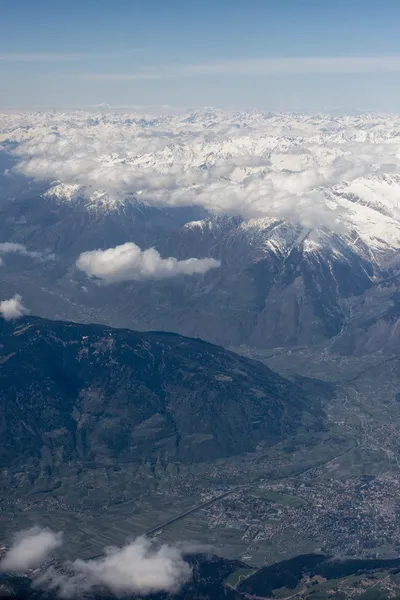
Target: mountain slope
[71,392]
[45,222]
[279,284]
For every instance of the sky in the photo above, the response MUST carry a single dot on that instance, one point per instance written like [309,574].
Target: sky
[309,55]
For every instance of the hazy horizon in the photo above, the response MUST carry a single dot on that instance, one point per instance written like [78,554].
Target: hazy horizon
[286,56]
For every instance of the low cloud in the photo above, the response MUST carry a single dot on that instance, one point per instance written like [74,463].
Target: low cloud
[129,263]
[141,567]
[12,247]
[30,549]
[13,308]
[15,248]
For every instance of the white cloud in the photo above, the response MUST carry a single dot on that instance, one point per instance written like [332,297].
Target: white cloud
[13,308]
[42,56]
[128,262]
[11,247]
[14,248]
[30,549]
[59,56]
[141,567]
[251,66]
[284,166]
[260,67]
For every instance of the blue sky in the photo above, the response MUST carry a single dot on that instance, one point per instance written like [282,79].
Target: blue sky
[278,55]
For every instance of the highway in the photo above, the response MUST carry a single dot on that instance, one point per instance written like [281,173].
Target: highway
[199,507]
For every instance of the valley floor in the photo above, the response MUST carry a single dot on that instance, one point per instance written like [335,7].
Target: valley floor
[335,492]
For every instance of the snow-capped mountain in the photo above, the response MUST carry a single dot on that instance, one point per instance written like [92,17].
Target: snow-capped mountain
[302,211]
[280,284]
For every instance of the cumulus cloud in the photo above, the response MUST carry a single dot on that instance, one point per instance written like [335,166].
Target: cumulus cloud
[13,308]
[30,549]
[249,164]
[128,262]
[141,567]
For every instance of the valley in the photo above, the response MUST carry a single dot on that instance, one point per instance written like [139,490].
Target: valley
[333,492]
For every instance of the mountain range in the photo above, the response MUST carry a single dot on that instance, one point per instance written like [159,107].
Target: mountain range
[301,211]
[279,284]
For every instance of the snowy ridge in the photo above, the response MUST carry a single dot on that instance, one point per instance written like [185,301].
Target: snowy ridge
[338,175]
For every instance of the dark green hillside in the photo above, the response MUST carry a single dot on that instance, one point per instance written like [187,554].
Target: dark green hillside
[72,392]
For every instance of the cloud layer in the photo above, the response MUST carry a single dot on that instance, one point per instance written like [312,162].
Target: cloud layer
[261,67]
[30,549]
[13,308]
[128,263]
[300,168]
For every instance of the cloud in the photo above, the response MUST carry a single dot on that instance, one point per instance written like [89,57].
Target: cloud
[128,263]
[141,567]
[14,248]
[259,67]
[30,549]
[298,168]
[13,308]
[249,67]
[59,56]
[42,56]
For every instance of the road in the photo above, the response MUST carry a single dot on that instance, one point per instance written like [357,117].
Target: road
[199,507]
